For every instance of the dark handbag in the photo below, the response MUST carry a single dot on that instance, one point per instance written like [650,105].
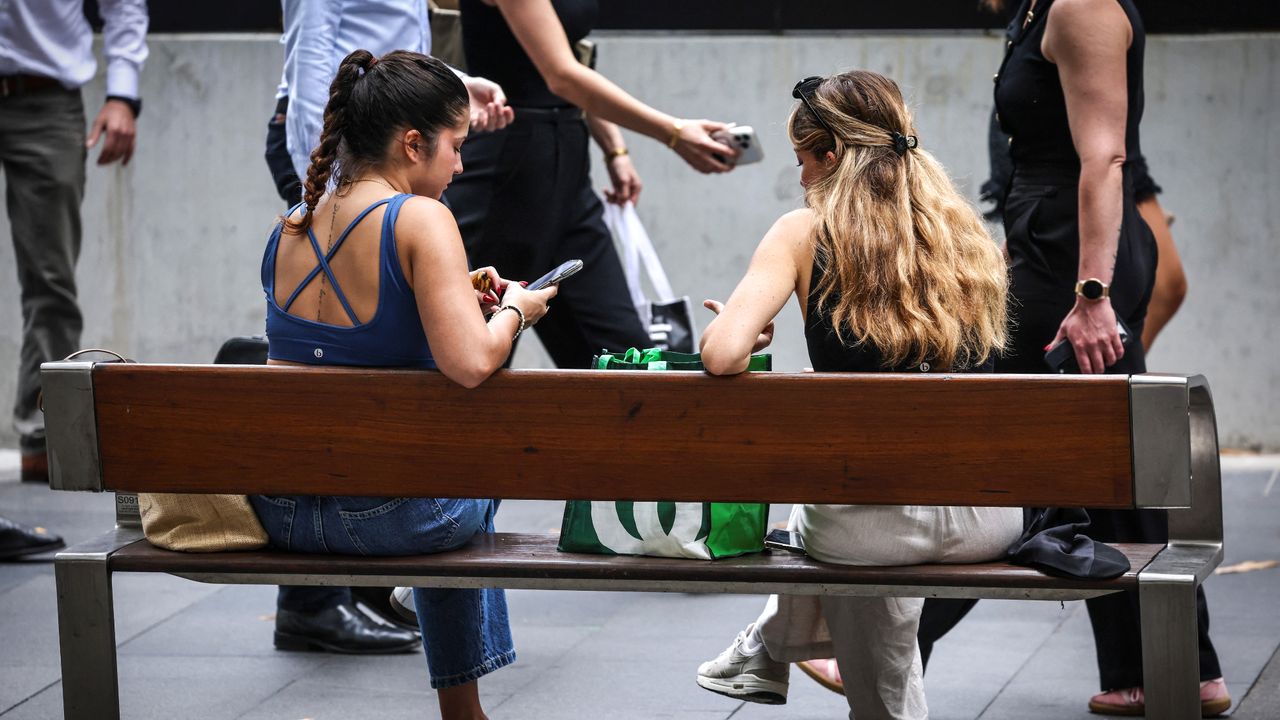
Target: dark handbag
[243,350]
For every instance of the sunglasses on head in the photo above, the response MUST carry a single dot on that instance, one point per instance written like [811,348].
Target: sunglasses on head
[805,90]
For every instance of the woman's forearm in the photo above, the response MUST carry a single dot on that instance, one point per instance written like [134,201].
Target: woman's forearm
[606,135]
[1101,211]
[600,97]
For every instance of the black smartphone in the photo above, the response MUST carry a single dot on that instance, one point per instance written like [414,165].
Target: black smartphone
[784,540]
[1061,358]
[566,268]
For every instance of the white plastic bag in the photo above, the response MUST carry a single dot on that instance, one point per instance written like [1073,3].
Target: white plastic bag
[668,318]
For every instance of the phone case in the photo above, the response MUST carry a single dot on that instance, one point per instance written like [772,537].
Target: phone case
[1061,358]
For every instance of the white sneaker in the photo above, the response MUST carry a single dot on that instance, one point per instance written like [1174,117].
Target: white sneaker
[402,603]
[754,677]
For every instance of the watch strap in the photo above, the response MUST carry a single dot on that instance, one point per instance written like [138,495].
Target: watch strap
[135,104]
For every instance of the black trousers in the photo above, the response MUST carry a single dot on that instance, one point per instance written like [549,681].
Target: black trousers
[1042,231]
[296,598]
[524,204]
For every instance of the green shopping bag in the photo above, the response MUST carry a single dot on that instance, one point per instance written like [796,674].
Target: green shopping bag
[703,531]
[699,531]
[658,359]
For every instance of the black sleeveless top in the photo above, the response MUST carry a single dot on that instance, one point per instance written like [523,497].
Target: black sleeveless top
[493,52]
[1029,101]
[828,354]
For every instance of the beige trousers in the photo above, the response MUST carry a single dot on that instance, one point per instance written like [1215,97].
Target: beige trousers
[874,639]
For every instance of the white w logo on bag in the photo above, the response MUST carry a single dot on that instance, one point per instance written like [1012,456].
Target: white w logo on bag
[682,541]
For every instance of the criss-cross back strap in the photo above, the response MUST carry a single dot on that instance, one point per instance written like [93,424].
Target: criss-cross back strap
[323,263]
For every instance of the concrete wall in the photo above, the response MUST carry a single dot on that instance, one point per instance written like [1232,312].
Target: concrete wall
[173,242]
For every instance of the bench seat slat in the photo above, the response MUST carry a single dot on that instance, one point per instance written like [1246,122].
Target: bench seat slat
[534,557]
[872,438]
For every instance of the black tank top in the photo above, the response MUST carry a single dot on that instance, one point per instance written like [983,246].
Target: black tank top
[828,354]
[1028,93]
[493,52]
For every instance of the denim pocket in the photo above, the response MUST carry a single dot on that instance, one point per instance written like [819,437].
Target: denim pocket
[397,526]
[276,515]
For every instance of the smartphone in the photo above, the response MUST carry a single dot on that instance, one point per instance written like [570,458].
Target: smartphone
[784,540]
[744,139]
[567,268]
[1061,358]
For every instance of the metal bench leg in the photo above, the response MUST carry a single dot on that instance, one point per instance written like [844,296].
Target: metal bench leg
[87,639]
[1170,647]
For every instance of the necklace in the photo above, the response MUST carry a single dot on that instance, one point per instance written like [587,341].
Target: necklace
[333,217]
[379,181]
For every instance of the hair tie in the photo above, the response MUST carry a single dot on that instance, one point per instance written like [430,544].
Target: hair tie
[372,62]
[903,143]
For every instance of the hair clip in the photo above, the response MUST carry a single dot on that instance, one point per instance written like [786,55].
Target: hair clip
[903,143]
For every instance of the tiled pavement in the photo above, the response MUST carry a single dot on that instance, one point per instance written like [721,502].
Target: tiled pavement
[192,650]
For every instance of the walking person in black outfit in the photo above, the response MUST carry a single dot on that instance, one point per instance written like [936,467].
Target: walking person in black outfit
[1070,95]
[524,201]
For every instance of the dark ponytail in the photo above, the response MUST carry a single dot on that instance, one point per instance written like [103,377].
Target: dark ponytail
[369,100]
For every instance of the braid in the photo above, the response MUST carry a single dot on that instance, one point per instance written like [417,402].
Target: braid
[325,155]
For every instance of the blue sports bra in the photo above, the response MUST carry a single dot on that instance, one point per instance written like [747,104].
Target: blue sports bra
[392,338]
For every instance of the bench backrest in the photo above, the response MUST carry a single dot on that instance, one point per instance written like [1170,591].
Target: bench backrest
[1099,441]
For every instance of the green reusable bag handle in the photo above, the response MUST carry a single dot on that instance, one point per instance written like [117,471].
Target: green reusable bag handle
[658,359]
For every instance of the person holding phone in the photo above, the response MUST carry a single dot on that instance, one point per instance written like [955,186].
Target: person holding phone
[1070,95]
[373,274]
[526,202]
[894,271]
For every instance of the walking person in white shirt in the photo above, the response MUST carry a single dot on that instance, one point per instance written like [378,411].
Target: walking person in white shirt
[46,57]
[319,33]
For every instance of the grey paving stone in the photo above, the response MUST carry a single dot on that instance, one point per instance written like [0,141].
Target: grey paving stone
[568,607]
[616,689]
[316,701]
[231,620]
[18,682]
[204,687]
[1262,702]
[46,705]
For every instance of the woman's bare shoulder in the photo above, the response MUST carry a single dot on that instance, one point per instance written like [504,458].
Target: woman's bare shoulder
[422,218]
[1088,21]
[792,231]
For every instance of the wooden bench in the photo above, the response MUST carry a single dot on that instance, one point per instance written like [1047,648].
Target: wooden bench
[1106,442]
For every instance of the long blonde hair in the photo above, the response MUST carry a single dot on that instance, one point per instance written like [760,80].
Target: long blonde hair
[908,266]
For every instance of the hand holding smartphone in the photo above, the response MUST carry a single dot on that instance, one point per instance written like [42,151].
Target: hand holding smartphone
[1061,358]
[743,138]
[564,270]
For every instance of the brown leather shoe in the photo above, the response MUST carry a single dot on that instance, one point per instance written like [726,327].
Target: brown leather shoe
[35,466]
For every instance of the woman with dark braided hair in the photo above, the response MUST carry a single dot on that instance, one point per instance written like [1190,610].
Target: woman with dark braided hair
[894,272]
[370,271]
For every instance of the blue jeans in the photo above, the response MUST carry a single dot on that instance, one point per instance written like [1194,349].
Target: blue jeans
[465,633]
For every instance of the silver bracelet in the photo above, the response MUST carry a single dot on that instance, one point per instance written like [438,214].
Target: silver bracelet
[519,314]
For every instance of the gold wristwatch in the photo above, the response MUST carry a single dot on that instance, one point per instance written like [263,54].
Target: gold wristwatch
[1092,289]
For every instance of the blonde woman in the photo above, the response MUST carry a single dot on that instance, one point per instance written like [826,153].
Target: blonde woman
[895,272]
